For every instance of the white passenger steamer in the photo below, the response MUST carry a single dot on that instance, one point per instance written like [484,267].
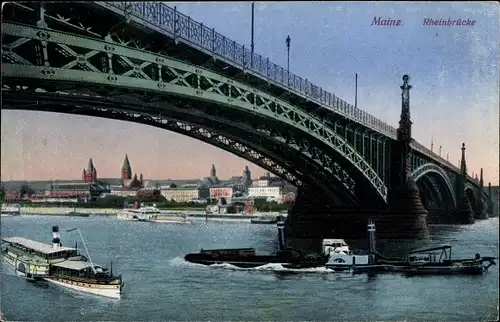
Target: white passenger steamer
[138,214]
[10,210]
[149,214]
[63,266]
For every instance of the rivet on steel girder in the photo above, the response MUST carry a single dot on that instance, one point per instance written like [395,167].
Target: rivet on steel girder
[109,48]
[43,35]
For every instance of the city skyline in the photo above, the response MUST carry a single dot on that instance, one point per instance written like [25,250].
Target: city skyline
[453,70]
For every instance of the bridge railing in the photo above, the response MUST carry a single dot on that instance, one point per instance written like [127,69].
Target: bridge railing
[422,149]
[182,28]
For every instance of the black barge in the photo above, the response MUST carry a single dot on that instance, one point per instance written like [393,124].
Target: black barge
[247,257]
[437,261]
[421,262]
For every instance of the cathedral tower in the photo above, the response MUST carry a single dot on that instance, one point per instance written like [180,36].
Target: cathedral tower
[90,175]
[126,169]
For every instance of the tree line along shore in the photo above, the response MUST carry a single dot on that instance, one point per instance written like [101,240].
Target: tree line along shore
[117,202]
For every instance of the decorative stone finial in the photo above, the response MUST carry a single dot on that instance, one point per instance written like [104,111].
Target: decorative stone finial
[463,166]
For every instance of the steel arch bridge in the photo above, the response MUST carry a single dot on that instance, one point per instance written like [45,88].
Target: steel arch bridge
[68,61]
[436,182]
[151,81]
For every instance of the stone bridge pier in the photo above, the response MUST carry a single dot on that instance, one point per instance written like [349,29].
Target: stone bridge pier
[404,215]
[492,203]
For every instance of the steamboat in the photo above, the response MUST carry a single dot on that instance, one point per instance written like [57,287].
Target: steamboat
[75,213]
[248,258]
[138,214]
[10,210]
[150,214]
[337,256]
[59,265]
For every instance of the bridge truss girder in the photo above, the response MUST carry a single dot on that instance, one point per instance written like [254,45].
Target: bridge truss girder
[283,156]
[53,57]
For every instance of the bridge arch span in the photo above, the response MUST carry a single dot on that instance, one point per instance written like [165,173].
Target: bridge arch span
[443,179]
[103,64]
[471,195]
[431,194]
[249,144]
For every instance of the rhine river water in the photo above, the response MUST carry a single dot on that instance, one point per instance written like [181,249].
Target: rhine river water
[160,286]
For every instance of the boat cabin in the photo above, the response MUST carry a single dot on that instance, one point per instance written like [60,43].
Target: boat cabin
[148,210]
[332,246]
[24,246]
[347,260]
[429,256]
[235,252]
[77,269]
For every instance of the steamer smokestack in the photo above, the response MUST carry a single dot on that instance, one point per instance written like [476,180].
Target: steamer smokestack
[281,233]
[56,241]
[371,236]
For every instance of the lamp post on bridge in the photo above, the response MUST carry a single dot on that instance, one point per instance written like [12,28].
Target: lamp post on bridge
[288,39]
[251,43]
[447,157]
[440,150]
[356,92]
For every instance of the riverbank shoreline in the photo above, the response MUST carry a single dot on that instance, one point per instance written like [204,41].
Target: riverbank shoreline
[65,211]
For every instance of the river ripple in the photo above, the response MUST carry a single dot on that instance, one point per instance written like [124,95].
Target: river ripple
[159,285]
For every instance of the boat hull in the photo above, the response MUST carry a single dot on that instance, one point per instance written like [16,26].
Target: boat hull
[171,221]
[77,214]
[440,270]
[247,262]
[263,221]
[106,290]
[10,213]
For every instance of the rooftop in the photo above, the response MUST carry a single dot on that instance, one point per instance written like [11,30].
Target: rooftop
[35,245]
[74,265]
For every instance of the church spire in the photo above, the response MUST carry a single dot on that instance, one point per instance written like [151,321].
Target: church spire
[213,172]
[91,166]
[126,169]
[90,174]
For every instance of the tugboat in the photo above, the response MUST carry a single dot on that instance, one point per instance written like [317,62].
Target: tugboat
[337,256]
[247,257]
[419,262]
[75,213]
[428,262]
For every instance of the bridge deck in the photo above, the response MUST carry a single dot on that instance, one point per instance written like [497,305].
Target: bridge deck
[172,23]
